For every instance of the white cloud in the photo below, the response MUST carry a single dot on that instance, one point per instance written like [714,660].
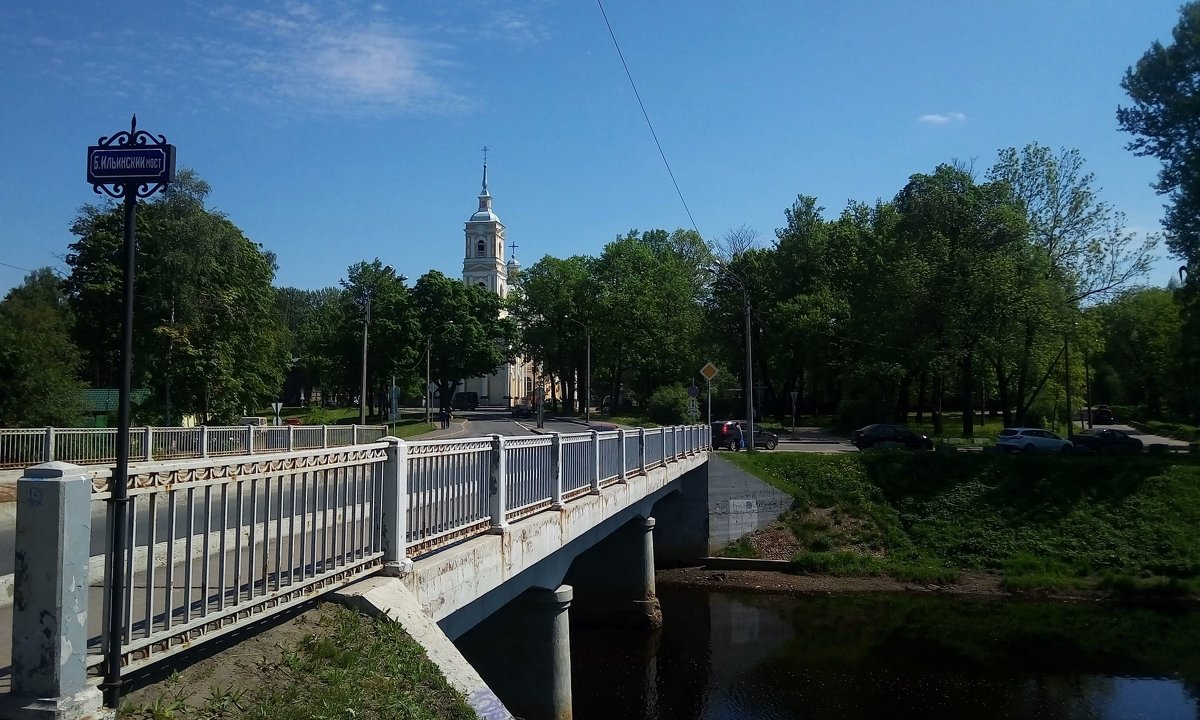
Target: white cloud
[347,65]
[941,118]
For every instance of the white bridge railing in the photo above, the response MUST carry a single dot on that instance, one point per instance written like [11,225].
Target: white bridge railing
[22,447]
[213,544]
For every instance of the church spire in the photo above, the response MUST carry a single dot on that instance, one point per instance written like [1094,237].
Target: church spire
[485,152]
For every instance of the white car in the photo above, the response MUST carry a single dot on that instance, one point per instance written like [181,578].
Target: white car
[1031,440]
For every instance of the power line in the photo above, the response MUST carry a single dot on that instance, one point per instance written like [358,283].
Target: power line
[646,115]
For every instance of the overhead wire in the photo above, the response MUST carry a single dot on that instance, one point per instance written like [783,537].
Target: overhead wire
[646,115]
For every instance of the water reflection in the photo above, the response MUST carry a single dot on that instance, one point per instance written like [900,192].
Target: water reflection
[755,657]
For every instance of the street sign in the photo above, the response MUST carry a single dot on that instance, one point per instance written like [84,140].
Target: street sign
[126,164]
[276,406]
[709,371]
[693,391]
[793,394]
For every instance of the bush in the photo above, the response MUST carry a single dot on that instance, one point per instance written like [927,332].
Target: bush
[668,405]
[318,416]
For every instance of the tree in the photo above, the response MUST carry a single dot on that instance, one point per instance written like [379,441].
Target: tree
[552,310]
[1084,238]
[1165,120]
[1141,336]
[38,362]
[206,335]
[468,335]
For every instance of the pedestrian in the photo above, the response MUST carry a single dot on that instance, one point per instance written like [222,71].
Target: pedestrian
[741,439]
[442,418]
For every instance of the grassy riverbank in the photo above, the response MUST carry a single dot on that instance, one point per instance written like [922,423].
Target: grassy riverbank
[329,662]
[1122,524]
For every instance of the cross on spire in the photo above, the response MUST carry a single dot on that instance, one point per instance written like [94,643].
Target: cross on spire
[485,152]
[514,247]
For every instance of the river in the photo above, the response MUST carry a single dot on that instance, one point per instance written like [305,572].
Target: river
[728,656]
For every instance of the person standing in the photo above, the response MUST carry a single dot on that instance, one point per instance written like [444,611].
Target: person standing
[741,438]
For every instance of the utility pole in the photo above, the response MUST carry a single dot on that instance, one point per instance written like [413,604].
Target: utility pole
[749,373]
[362,398]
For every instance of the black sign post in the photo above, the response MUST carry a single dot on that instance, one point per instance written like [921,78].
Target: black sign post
[130,165]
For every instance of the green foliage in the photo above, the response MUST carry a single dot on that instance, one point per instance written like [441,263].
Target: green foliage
[668,405]
[38,361]
[206,333]
[837,563]
[1038,520]
[468,336]
[1163,120]
[740,548]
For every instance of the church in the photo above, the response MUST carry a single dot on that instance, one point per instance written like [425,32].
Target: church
[483,265]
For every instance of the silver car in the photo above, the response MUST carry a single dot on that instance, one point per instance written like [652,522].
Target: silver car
[1030,440]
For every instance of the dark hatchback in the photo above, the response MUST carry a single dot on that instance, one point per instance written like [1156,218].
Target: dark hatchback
[1106,440]
[889,436]
[724,435]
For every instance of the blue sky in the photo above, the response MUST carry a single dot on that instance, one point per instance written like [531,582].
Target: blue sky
[338,131]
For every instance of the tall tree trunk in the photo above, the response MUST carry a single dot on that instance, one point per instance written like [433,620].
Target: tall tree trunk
[902,398]
[1002,389]
[1023,374]
[936,412]
[968,394]
[924,380]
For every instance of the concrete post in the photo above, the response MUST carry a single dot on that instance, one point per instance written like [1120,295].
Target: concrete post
[291,437]
[203,441]
[556,469]
[324,437]
[50,601]
[149,435]
[615,578]
[663,435]
[523,652]
[621,455]
[594,457]
[394,513]
[642,450]
[249,439]
[48,446]
[353,434]
[499,486]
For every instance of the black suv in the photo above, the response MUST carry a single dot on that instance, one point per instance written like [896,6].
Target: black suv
[465,401]
[889,436]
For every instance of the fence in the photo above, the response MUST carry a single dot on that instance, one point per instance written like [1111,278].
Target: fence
[98,446]
[214,544]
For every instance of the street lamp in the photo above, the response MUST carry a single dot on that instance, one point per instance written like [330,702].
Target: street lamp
[722,270]
[428,392]
[368,293]
[587,381]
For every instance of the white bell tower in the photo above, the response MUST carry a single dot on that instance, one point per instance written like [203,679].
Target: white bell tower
[483,259]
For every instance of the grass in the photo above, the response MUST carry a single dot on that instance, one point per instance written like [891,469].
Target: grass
[1039,522]
[359,668]
[739,548]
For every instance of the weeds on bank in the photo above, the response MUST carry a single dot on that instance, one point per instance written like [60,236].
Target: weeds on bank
[740,548]
[360,668]
[1121,525]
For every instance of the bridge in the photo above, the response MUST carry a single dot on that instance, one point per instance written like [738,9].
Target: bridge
[456,529]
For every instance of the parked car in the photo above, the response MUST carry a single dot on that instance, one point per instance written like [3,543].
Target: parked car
[882,436]
[1106,440]
[465,401]
[1103,415]
[725,435]
[522,410]
[1030,440]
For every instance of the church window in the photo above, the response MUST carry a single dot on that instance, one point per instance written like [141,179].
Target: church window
[483,285]
[482,249]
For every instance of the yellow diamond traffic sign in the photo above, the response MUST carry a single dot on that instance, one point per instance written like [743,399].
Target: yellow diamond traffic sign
[709,371]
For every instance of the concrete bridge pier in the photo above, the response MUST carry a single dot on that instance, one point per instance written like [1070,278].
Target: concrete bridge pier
[615,579]
[523,651]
